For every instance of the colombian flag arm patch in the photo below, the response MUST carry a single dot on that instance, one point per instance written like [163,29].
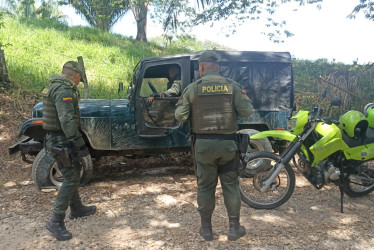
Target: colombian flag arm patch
[67,99]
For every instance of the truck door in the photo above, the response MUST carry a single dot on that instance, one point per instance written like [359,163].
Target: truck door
[158,90]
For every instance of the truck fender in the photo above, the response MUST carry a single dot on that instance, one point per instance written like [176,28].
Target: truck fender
[34,122]
[281,134]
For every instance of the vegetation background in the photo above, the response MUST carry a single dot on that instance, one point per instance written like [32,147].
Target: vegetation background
[36,48]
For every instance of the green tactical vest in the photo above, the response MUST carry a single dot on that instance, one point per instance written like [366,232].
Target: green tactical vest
[50,116]
[213,106]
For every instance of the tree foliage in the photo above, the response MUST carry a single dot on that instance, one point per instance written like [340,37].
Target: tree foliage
[240,11]
[27,8]
[1,19]
[102,14]
[174,15]
[366,7]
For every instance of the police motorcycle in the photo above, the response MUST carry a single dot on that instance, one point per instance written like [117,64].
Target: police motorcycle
[322,149]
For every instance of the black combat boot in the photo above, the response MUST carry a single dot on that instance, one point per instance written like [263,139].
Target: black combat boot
[79,210]
[235,230]
[57,227]
[206,226]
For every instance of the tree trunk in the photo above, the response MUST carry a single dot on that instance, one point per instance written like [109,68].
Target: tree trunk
[140,10]
[4,78]
[141,30]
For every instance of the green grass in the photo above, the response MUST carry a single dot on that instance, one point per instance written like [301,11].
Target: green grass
[38,48]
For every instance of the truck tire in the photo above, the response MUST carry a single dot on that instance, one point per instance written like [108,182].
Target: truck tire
[249,170]
[46,173]
[257,145]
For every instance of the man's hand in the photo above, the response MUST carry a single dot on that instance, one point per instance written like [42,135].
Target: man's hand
[83,151]
[152,97]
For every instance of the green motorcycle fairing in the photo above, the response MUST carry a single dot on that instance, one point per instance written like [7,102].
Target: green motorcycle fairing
[331,142]
[301,118]
[281,134]
[360,153]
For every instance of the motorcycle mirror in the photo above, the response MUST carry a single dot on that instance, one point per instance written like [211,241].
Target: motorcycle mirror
[324,94]
[336,101]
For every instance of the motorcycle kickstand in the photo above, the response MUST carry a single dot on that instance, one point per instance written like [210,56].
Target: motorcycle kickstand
[341,194]
[341,198]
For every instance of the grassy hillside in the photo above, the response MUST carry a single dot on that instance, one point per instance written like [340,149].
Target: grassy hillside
[37,49]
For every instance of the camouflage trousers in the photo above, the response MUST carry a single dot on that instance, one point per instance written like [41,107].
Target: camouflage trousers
[209,155]
[68,192]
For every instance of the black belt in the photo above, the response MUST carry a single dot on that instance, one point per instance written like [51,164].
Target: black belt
[216,136]
[55,133]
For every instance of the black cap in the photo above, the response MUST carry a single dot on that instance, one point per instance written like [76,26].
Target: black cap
[208,56]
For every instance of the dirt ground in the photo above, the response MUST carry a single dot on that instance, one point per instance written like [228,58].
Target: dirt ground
[150,203]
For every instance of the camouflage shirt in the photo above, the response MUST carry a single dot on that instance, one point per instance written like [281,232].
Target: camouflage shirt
[174,90]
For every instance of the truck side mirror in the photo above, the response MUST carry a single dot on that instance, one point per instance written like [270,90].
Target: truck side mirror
[120,87]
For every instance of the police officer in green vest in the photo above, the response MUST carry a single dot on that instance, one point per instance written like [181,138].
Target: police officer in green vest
[213,104]
[64,142]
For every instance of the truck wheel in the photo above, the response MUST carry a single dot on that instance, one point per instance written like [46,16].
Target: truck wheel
[249,170]
[257,145]
[46,174]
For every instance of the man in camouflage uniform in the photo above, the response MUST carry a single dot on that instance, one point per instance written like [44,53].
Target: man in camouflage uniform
[61,120]
[213,104]
[174,84]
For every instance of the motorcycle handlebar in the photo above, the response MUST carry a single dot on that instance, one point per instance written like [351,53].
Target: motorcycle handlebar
[329,120]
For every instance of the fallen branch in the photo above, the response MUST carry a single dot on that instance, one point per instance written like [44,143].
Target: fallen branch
[14,107]
[342,89]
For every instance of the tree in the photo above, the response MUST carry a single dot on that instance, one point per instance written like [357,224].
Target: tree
[27,8]
[49,10]
[102,14]
[174,15]
[140,10]
[167,12]
[22,8]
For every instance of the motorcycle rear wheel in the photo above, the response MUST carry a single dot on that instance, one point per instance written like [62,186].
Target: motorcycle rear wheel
[279,191]
[355,185]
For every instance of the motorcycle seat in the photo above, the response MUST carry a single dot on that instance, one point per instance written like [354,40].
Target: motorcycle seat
[352,141]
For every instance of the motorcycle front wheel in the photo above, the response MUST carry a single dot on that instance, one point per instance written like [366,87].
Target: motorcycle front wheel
[279,191]
[361,183]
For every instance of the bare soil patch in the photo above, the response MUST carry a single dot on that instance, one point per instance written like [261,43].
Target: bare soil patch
[150,203]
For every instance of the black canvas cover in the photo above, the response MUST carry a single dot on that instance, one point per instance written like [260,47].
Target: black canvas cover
[265,76]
